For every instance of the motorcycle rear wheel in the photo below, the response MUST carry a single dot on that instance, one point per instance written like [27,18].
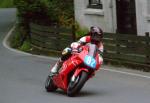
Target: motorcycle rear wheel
[75,87]
[49,85]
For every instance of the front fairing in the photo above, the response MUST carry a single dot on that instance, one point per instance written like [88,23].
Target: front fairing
[89,56]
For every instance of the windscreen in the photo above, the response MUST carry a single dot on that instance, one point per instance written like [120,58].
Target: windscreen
[92,50]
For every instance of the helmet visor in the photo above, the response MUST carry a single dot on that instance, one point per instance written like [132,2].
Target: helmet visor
[96,37]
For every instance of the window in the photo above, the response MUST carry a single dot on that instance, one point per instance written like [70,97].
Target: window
[96,4]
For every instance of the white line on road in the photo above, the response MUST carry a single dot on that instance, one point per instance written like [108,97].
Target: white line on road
[126,73]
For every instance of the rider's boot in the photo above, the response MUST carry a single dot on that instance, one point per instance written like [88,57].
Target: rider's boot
[56,67]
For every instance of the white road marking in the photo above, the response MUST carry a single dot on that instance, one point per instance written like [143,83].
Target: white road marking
[126,73]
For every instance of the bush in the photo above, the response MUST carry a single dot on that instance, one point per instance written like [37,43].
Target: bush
[15,40]
[80,31]
[31,10]
[62,11]
[6,3]
[26,46]
[43,12]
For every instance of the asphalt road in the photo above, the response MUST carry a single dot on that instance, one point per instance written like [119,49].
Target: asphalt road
[22,78]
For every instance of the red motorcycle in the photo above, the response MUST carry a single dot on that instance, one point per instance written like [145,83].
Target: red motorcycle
[75,71]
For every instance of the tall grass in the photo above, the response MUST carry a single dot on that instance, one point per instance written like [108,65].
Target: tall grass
[6,3]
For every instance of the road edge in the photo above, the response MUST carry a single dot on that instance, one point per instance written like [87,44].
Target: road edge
[7,46]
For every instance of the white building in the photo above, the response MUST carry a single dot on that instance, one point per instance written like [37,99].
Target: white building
[122,16]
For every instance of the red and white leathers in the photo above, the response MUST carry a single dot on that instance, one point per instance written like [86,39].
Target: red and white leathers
[87,39]
[74,46]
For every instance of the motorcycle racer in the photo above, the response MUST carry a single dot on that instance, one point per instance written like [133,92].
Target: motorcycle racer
[94,36]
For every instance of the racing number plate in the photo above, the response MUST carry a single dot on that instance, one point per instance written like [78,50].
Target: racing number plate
[90,61]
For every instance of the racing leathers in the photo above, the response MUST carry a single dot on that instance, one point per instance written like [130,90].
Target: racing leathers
[74,46]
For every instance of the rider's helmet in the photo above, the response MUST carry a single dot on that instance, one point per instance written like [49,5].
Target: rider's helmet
[96,34]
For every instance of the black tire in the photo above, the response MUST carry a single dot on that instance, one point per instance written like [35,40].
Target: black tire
[74,88]
[49,85]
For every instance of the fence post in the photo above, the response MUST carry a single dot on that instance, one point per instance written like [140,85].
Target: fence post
[147,48]
[58,39]
[73,33]
[117,44]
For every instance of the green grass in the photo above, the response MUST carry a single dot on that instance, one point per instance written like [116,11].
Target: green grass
[26,46]
[6,3]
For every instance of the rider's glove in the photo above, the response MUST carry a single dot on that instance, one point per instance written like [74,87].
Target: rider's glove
[75,46]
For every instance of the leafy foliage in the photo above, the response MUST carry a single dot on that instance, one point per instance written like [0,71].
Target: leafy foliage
[27,11]
[47,11]
[43,12]
[31,10]
[15,39]
[80,32]
[62,11]
[6,3]
[26,46]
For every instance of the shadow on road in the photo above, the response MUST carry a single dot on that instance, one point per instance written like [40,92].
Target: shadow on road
[82,93]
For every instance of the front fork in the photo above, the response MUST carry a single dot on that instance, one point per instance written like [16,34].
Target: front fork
[77,72]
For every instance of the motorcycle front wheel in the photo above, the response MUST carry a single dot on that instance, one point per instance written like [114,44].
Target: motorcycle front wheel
[75,87]
[49,85]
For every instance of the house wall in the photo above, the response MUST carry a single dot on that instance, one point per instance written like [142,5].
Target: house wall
[140,12]
[106,17]
[87,17]
[143,16]
[147,15]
